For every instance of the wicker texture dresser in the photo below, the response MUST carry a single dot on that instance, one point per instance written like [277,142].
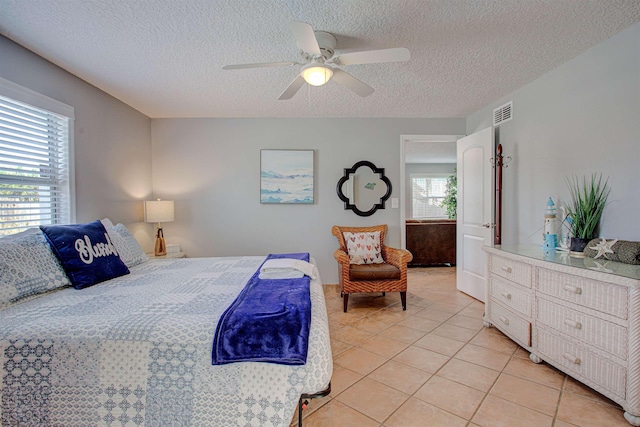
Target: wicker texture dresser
[581,315]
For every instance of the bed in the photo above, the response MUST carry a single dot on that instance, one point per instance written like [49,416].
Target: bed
[136,350]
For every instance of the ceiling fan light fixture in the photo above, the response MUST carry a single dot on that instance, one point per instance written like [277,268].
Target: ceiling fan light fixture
[317,49]
[316,74]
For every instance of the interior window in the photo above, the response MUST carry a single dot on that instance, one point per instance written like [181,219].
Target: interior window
[427,193]
[35,174]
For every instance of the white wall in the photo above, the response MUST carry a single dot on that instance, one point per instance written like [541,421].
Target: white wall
[112,140]
[580,118]
[210,167]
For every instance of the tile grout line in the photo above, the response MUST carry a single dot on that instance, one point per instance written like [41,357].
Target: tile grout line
[412,343]
[438,370]
[555,415]
[451,301]
[440,323]
[391,358]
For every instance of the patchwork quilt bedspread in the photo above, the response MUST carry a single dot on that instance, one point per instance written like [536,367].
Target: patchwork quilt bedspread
[136,351]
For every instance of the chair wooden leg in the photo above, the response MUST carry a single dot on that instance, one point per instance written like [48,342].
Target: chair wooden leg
[403,298]
[345,300]
[384,293]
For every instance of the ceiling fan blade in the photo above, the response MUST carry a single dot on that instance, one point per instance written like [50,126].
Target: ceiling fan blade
[258,65]
[351,83]
[305,37]
[292,89]
[397,54]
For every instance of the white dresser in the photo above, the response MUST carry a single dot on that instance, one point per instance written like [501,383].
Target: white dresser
[581,315]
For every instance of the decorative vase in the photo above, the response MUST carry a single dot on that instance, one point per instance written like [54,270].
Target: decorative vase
[577,245]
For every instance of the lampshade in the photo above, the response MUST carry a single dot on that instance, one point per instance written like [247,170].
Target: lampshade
[158,211]
[316,74]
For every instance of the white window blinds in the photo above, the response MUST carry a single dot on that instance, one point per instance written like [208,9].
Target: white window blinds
[427,194]
[34,166]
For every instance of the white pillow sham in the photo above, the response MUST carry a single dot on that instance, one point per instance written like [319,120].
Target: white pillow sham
[28,267]
[126,244]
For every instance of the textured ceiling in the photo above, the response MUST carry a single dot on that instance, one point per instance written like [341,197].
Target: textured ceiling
[165,57]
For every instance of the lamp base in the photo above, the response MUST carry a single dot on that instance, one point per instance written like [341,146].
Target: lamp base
[160,248]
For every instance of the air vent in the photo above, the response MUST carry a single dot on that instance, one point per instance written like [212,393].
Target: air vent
[503,114]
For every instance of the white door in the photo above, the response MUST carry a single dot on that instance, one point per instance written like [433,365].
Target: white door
[475,211]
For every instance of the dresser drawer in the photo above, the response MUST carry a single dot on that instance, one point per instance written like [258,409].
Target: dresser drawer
[604,297]
[593,331]
[510,323]
[510,295]
[515,271]
[583,364]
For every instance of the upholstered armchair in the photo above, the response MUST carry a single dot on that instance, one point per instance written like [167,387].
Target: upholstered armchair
[388,276]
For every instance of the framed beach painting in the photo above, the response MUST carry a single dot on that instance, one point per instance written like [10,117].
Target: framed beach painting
[286,176]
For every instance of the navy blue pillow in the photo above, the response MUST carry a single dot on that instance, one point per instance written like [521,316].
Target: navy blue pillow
[85,252]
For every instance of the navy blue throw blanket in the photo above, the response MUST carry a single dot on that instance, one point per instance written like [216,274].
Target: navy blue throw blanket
[268,322]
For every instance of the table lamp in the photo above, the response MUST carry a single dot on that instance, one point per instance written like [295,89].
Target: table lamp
[159,211]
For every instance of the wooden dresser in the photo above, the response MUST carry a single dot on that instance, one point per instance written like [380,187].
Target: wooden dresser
[581,315]
[431,241]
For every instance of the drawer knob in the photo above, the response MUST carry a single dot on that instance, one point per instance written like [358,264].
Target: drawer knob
[506,269]
[504,320]
[571,358]
[573,323]
[506,295]
[573,289]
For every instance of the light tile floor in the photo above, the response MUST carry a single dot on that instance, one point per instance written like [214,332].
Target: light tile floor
[436,365]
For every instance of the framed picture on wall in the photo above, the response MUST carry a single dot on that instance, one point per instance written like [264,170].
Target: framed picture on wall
[286,176]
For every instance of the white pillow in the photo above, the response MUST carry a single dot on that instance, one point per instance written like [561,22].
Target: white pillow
[28,266]
[363,248]
[127,246]
[106,222]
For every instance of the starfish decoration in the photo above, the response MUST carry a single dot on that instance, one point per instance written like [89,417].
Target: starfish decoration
[604,248]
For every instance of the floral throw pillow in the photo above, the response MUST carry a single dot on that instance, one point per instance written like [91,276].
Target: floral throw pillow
[363,248]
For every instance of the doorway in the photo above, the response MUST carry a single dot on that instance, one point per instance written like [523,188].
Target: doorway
[439,151]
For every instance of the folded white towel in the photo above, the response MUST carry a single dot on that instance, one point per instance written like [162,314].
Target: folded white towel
[283,273]
[286,268]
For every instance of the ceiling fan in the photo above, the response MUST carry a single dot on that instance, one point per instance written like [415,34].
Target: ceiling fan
[320,61]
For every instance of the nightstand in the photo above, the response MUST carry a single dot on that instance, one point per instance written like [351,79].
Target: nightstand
[174,255]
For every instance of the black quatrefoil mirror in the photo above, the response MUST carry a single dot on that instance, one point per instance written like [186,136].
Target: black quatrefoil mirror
[364,188]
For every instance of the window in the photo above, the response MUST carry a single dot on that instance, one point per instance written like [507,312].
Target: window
[35,147]
[427,193]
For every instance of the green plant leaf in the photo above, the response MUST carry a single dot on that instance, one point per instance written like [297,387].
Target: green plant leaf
[450,201]
[588,200]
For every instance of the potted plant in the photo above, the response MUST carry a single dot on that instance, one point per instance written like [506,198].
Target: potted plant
[588,200]
[450,201]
